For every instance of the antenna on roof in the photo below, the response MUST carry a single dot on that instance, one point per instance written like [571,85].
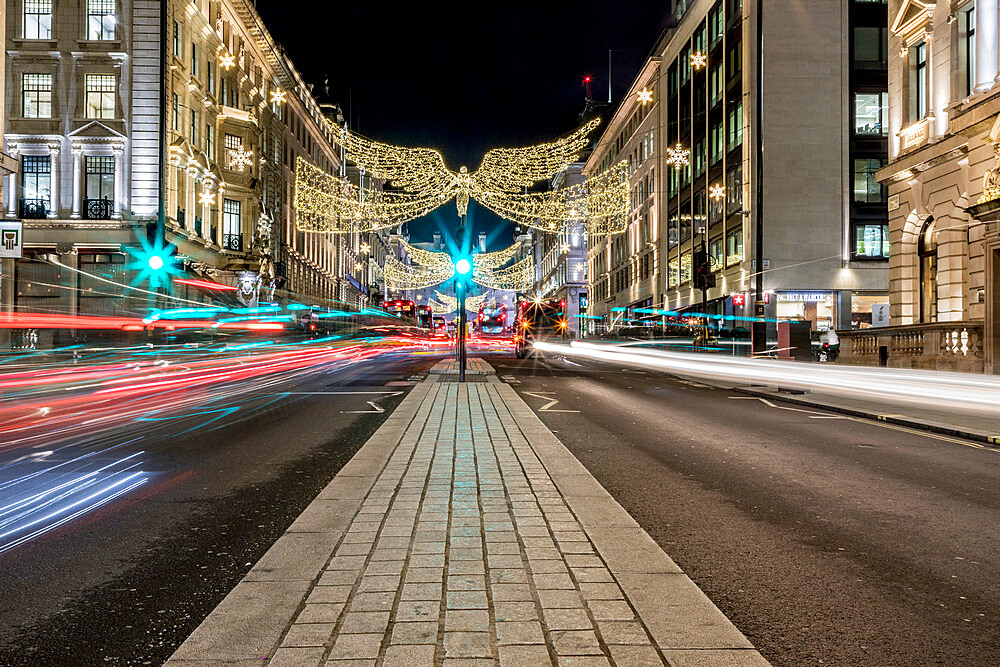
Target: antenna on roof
[609,76]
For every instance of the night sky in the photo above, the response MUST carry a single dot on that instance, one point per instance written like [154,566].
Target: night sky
[465,78]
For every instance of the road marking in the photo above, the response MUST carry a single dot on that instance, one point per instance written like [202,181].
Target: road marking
[510,379]
[772,405]
[340,393]
[694,384]
[377,409]
[551,401]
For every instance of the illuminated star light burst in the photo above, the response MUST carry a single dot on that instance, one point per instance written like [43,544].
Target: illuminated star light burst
[418,181]
[677,157]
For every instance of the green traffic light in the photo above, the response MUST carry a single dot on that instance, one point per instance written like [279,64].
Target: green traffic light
[463,267]
[155,262]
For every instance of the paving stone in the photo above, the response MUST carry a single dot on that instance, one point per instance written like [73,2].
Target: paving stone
[611,610]
[468,662]
[359,622]
[515,611]
[575,642]
[583,661]
[637,656]
[553,581]
[466,620]
[320,613]
[548,566]
[389,554]
[591,591]
[519,632]
[508,576]
[417,611]
[356,646]
[308,634]
[408,656]
[379,583]
[372,601]
[466,600]
[592,575]
[466,567]
[415,632]
[328,594]
[559,599]
[467,645]
[622,632]
[511,592]
[567,619]
[385,567]
[339,578]
[524,656]
[297,657]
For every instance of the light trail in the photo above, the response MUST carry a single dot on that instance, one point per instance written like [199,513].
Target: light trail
[935,389]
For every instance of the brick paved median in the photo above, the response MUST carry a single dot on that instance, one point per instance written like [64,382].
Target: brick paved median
[464,533]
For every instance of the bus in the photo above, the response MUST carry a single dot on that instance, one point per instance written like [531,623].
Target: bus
[537,321]
[440,326]
[492,320]
[425,318]
[405,310]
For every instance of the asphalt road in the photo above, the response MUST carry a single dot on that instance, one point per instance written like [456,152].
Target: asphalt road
[825,539]
[128,582]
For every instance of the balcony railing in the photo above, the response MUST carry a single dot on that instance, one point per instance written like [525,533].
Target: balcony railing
[34,208]
[954,346]
[233,242]
[98,209]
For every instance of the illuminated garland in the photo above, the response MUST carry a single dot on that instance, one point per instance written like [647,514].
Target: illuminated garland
[494,260]
[399,276]
[449,304]
[516,277]
[420,182]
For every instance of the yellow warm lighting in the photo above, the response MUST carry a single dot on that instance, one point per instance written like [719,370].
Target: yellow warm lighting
[240,159]
[226,61]
[698,60]
[717,192]
[207,198]
[677,156]
[644,96]
[278,96]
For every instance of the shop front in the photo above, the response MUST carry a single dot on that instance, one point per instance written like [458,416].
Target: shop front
[819,308]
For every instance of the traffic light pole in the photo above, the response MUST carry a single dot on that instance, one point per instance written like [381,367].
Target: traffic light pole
[460,289]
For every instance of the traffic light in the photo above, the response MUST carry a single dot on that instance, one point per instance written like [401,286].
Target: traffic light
[153,262]
[703,277]
[463,267]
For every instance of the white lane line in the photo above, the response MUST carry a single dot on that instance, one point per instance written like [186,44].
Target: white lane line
[376,409]
[551,401]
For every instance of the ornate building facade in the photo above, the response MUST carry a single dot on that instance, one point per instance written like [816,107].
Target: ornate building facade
[944,106]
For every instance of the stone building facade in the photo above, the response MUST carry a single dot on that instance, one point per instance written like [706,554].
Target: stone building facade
[944,105]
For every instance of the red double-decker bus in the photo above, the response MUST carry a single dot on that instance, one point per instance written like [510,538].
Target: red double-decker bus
[425,317]
[492,320]
[403,309]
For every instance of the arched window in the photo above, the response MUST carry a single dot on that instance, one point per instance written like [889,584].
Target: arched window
[927,253]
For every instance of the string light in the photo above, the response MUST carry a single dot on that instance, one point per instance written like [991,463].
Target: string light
[494,260]
[698,60]
[278,96]
[226,61]
[644,96]
[517,277]
[717,191]
[240,159]
[677,156]
[399,276]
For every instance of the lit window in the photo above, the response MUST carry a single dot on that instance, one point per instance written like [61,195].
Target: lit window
[735,135]
[231,220]
[871,241]
[99,186]
[36,98]
[175,122]
[968,26]
[177,38]
[37,19]
[100,19]
[734,247]
[100,96]
[210,141]
[233,145]
[918,102]
[867,190]
[36,178]
[869,114]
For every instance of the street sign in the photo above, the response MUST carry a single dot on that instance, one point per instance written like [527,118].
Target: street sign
[11,239]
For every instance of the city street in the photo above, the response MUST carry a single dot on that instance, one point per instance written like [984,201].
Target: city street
[128,581]
[825,539]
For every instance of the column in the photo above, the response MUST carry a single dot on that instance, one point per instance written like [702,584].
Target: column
[189,208]
[218,206]
[53,181]
[206,210]
[119,184]
[986,44]
[77,181]
[12,193]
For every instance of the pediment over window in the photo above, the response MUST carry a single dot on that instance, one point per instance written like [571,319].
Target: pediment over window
[912,17]
[96,130]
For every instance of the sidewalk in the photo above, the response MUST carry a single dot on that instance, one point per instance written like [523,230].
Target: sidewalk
[388,566]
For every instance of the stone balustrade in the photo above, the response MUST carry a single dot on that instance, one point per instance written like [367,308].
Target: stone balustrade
[951,346]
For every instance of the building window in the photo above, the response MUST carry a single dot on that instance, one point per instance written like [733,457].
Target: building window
[735,133]
[210,141]
[194,59]
[715,84]
[101,19]
[36,183]
[685,266]
[734,60]
[734,188]
[918,100]
[734,247]
[233,145]
[100,96]
[715,256]
[927,253]
[869,114]
[194,129]
[36,95]
[175,116]
[210,70]
[716,144]
[99,187]
[867,190]
[177,38]
[871,240]
[37,19]
[870,47]
[716,25]
[968,27]
[232,226]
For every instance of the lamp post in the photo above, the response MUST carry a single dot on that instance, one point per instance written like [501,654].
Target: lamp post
[462,269]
